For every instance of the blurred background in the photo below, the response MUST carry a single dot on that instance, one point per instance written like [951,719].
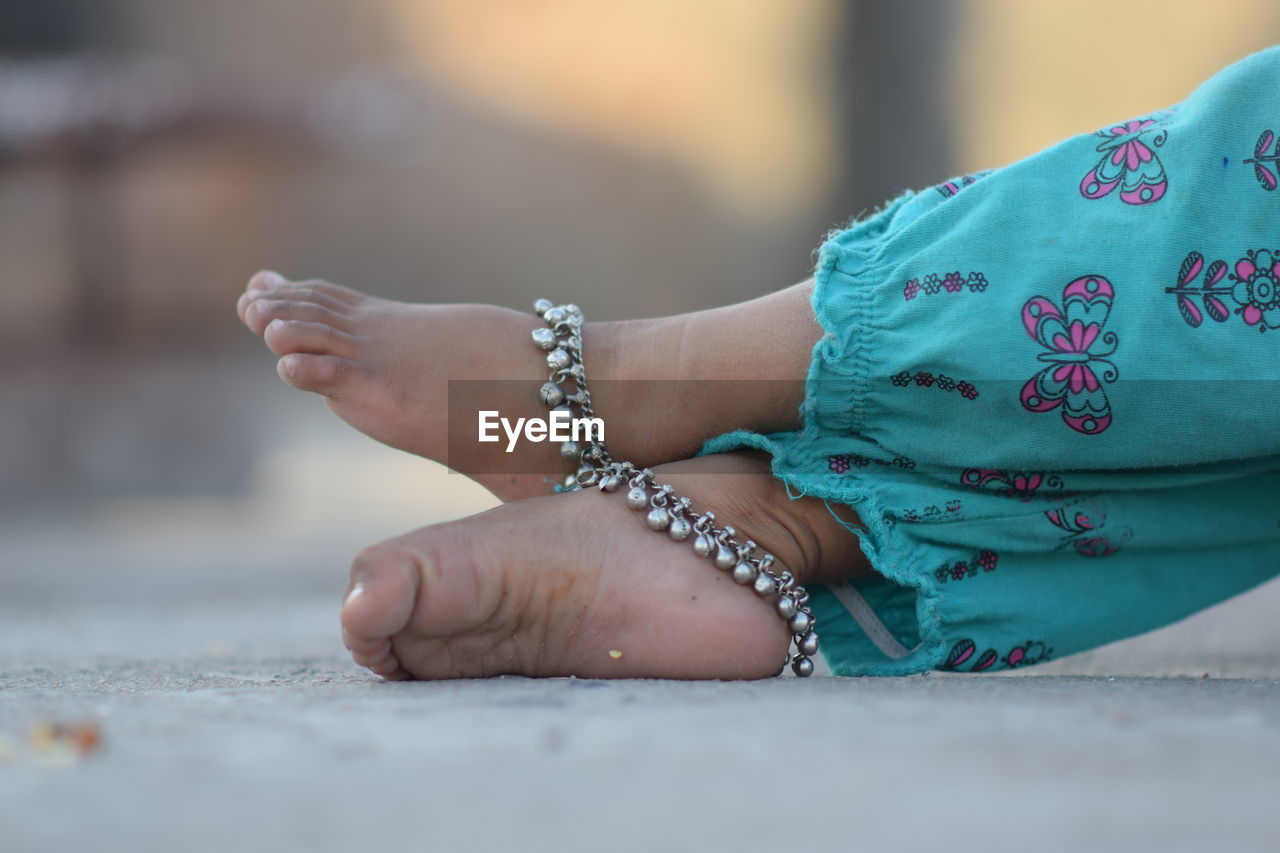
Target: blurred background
[636,156]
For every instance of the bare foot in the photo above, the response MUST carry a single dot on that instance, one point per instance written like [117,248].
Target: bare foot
[576,584]
[384,367]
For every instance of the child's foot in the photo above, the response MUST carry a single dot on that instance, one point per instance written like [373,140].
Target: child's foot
[577,585]
[384,367]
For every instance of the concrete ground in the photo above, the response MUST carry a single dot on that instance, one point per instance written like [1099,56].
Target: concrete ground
[200,635]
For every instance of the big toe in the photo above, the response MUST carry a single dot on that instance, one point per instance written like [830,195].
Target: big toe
[379,604]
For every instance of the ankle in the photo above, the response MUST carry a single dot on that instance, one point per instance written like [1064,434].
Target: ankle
[744,364]
[802,533]
[664,387]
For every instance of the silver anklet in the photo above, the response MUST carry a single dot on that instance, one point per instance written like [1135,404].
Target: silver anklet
[562,341]
[746,562]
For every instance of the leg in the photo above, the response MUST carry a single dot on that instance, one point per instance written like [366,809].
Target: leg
[384,367]
[1049,393]
[558,585]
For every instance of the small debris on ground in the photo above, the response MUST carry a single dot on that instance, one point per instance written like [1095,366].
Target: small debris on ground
[63,743]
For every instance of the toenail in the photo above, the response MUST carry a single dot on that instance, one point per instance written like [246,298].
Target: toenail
[275,326]
[354,593]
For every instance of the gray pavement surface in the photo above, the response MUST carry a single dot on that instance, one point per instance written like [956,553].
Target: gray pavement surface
[200,634]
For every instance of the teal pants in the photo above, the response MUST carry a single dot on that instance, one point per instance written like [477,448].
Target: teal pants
[1051,392]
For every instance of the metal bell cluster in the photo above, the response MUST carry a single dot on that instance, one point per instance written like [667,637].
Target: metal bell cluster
[562,342]
[744,561]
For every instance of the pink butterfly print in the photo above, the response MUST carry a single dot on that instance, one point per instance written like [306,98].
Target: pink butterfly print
[1078,522]
[1265,175]
[1095,546]
[1020,484]
[1128,161]
[1083,531]
[1076,350]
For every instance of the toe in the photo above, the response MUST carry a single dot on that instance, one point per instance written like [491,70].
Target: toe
[301,293]
[391,670]
[335,291]
[271,285]
[374,654]
[323,374]
[380,601]
[308,290]
[261,284]
[286,336]
[266,280]
[258,312]
[366,650]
